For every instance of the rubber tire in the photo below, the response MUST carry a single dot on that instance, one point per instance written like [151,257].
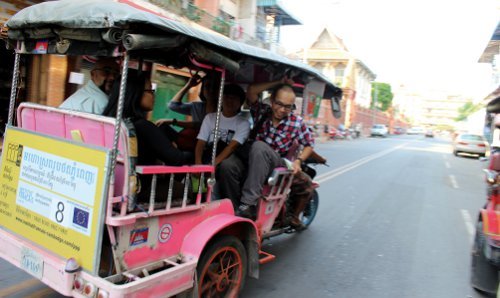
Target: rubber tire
[310,210]
[213,248]
[484,275]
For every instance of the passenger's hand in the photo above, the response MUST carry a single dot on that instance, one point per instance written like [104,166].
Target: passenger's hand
[194,80]
[163,121]
[287,80]
[296,167]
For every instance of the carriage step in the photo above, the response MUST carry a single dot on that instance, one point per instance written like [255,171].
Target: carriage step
[265,257]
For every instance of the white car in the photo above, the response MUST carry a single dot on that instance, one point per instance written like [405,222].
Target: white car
[415,131]
[379,130]
[470,143]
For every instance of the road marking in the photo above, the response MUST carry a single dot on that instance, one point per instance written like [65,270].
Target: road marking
[453,181]
[468,224]
[19,287]
[351,166]
[447,165]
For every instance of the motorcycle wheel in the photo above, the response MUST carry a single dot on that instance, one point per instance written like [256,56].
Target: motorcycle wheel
[484,275]
[310,211]
[222,268]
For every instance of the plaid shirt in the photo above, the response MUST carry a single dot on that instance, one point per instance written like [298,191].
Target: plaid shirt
[280,138]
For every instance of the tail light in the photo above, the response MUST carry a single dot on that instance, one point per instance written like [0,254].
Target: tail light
[463,143]
[78,284]
[481,145]
[89,290]
[102,294]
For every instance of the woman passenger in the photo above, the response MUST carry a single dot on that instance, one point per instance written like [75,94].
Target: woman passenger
[139,99]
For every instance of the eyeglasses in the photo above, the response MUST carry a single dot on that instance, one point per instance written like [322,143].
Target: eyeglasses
[152,91]
[284,106]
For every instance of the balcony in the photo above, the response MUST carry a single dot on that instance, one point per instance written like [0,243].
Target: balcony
[195,14]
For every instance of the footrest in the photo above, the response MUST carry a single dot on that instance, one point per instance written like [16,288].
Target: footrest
[265,257]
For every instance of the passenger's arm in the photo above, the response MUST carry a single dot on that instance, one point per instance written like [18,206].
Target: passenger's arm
[183,124]
[254,90]
[226,152]
[302,156]
[193,81]
[198,151]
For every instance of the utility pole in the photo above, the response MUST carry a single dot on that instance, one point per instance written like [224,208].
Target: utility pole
[375,91]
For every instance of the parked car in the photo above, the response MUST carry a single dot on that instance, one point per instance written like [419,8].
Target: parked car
[379,130]
[470,143]
[415,131]
[399,130]
[429,133]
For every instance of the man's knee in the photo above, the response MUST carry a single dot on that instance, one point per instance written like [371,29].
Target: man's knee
[259,146]
[230,166]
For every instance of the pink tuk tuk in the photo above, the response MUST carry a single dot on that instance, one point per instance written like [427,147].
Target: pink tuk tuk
[67,197]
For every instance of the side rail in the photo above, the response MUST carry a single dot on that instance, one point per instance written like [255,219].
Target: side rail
[275,194]
[185,190]
[278,184]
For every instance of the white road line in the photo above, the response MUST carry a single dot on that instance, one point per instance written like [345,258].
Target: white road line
[468,223]
[447,165]
[453,181]
[346,168]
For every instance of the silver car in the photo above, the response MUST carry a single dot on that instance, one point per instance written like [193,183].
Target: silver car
[379,130]
[470,143]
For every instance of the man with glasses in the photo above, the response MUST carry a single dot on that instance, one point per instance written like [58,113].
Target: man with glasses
[275,129]
[93,97]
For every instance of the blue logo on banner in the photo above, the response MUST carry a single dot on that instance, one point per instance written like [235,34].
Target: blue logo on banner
[81,217]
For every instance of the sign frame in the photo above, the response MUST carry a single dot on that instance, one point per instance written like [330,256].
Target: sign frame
[89,229]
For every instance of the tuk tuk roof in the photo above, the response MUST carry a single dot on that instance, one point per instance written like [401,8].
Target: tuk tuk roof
[99,14]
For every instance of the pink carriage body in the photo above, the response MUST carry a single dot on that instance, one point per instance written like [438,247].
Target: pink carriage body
[158,246]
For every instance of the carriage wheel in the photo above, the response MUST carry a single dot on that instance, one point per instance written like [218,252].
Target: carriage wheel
[222,268]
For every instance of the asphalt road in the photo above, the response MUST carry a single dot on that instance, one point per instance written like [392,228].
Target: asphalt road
[396,219]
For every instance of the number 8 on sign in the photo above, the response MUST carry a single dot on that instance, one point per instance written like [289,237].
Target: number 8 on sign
[59,212]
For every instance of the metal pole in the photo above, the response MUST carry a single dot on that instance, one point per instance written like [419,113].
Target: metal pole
[118,120]
[375,91]
[13,93]
[217,119]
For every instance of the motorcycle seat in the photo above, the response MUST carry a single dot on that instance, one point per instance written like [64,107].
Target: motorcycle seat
[495,161]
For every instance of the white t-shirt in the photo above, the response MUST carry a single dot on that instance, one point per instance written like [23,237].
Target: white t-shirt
[235,128]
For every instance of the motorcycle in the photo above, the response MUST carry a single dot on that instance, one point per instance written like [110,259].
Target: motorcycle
[486,247]
[282,222]
[485,263]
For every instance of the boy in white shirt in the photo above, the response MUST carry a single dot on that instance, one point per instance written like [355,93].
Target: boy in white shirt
[233,128]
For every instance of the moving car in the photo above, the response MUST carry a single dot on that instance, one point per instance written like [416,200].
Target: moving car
[379,130]
[415,131]
[429,133]
[470,143]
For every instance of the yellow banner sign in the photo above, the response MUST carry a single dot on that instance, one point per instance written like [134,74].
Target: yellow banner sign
[52,192]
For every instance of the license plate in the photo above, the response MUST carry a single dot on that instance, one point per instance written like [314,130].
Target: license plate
[32,262]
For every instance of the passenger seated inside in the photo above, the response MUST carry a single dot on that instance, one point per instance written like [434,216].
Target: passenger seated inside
[185,139]
[152,144]
[93,97]
[233,131]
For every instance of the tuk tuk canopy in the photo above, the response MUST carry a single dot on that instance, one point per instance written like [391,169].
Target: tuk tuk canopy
[100,28]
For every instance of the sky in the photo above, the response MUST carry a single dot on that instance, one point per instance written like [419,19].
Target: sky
[426,44]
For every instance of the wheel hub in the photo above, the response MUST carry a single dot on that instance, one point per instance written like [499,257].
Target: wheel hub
[222,282]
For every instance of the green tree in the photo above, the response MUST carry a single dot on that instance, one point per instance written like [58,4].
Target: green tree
[467,109]
[381,96]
